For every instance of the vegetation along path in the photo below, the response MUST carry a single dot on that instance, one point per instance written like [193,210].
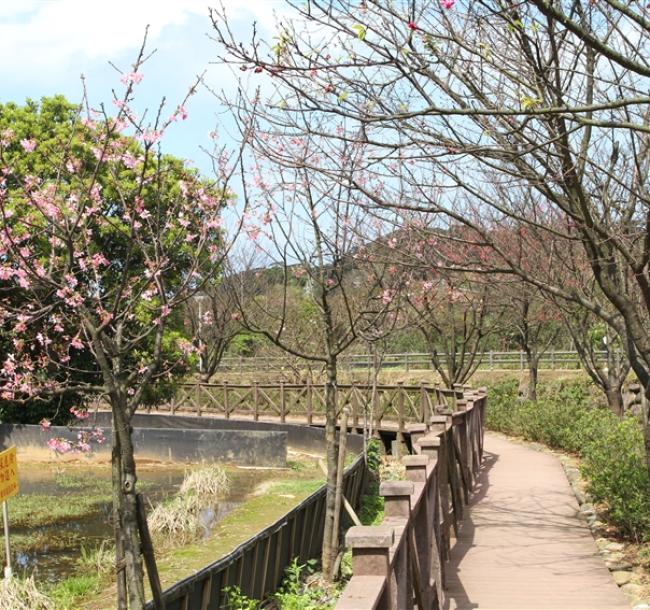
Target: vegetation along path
[521,545]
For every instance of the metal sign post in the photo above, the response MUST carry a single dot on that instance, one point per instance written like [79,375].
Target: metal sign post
[5,521]
[8,488]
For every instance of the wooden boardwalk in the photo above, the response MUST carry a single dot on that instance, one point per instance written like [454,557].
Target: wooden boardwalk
[521,545]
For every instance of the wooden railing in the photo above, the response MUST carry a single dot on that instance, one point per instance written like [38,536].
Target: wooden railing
[382,406]
[257,567]
[400,564]
[552,359]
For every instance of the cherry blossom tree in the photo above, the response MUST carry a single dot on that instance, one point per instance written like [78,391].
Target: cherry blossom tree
[486,113]
[319,265]
[453,314]
[99,249]
[213,320]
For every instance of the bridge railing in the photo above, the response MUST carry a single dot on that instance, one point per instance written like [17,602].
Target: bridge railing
[402,561]
[397,405]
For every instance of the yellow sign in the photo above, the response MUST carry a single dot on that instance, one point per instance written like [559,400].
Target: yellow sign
[8,474]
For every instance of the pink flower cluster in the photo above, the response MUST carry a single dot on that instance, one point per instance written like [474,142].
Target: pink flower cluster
[131,77]
[80,414]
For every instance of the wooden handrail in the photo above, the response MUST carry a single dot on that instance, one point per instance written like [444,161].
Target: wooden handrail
[401,563]
[383,406]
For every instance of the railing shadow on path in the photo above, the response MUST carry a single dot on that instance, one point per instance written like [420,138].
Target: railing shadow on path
[466,537]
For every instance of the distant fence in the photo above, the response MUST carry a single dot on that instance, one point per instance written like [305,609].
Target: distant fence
[392,406]
[401,563]
[552,359]
[257,566]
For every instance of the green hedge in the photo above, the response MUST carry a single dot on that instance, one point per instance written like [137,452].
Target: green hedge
[611,450]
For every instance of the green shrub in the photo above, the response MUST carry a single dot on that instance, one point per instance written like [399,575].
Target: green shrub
[567,417]
[373,454]
[614,464]
[293,594]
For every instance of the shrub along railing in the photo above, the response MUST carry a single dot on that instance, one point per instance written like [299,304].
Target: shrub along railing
[257,566]
[400,564]
[393,406]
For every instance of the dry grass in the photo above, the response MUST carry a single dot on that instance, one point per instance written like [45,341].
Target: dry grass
[179,520]
[175,522]
[393,376]
[100,559]
[22,594]
[208,481]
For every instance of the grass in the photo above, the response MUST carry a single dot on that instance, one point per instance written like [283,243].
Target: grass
[99,559]
[67,594]
[28,510]
[256,513]
[413,377]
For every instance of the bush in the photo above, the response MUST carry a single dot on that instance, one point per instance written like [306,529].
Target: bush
[612,450]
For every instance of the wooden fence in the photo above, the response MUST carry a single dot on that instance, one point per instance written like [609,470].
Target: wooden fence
[492,360]
[400,564]
[383,406]
[257,566]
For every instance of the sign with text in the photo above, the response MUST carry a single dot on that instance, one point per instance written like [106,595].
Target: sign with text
[8,474]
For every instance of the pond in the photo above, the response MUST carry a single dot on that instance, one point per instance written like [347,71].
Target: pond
[64,510]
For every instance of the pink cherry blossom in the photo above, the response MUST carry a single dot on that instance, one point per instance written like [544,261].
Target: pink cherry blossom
[131,77]
[447,4]
[28,145]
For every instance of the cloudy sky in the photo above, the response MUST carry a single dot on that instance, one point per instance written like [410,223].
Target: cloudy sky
[47,44]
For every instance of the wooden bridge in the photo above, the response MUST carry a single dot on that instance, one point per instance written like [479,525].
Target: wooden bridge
[389,407]
[480,522]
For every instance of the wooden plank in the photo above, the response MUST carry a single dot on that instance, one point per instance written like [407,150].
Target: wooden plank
[148,554]
[206,591]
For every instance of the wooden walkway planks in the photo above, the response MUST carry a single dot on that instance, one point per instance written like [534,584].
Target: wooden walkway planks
[521,545]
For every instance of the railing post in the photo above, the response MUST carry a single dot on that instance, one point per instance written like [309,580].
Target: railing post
[354,404]
[424,404]
[490,360]
[433,446]
[400,412]
[371,552]
[416,432]
[256,398]
[310,403]
[397,498]
[226,405]
[397,507]
[424,534]
[197,397]
[283,404]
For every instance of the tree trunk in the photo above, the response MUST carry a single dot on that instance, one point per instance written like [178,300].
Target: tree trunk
[615,400]
[329,553]
[120,575]
[126,524]
[533,372]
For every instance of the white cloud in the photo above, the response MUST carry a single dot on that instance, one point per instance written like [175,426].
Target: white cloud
[51,36]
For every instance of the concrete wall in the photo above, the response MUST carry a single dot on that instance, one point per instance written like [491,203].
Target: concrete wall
[299,437]
[241,447]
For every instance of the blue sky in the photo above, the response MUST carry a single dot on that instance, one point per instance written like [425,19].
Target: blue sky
[47,44]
